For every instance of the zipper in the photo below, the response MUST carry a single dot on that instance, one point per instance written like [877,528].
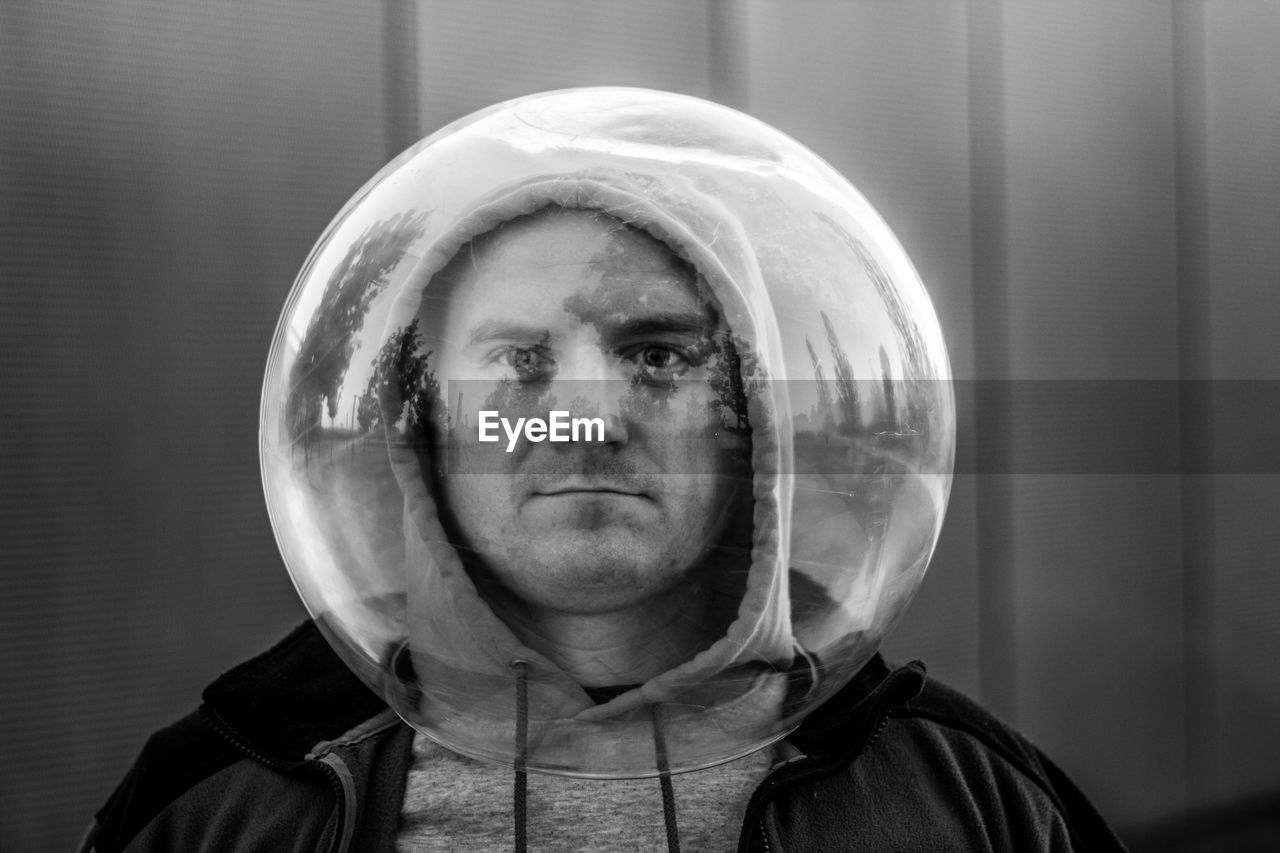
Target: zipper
[875,736]
[764,836]
[335,783]
[226,733]
[770,782]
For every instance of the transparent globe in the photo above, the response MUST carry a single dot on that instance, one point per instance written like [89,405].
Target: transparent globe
[607,432]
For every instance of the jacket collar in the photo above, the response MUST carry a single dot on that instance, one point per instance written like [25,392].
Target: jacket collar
[839,729]
[299,693]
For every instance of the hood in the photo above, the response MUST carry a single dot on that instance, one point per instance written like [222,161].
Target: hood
[847,396]
[463,653]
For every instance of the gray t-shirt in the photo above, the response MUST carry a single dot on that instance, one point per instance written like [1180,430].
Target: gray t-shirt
[458,804]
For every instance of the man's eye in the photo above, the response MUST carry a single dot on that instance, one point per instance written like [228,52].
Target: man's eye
[530,364]
[658,362]
[658,358]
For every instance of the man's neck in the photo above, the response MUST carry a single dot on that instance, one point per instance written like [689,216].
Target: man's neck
[623,647]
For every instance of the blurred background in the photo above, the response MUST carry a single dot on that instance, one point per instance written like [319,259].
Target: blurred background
[1090,190]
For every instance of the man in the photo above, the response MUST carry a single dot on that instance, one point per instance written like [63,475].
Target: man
[588,545]
[668,593]
[611,560]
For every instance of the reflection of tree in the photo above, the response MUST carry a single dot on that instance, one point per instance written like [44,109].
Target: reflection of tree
[513,398]
[733,374]
[368,409]
[329,343]
[403,387]
[646,400]
[584,407]
[903,323]
[527,393]
[890,413]
[848,400]
[919,393]
[824,414]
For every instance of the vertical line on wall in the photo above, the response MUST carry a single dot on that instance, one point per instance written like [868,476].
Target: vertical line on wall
[726,70]
[990,253]
[400,75]
[1195,398]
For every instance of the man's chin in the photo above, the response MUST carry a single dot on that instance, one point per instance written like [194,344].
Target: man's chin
[609,553]
[585,572]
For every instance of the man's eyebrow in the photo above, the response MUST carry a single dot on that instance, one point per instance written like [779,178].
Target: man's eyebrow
[673,322]
[498,330]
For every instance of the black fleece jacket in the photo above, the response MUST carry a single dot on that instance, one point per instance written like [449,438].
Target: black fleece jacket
[290,751]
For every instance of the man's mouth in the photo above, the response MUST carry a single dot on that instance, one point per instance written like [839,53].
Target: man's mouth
[588,487]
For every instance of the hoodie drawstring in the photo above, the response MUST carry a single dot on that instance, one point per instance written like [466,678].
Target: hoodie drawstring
[521,788]
[664,780]
[521,791]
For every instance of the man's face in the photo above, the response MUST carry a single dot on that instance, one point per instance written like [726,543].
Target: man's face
[573,311]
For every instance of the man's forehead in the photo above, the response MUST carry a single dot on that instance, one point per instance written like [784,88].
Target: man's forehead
[568,237]
[575,264]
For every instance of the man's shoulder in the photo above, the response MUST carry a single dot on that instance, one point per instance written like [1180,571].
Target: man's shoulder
[981,777]
[950,714]
[291,697]
[172,761]
[268,712]
[897,759]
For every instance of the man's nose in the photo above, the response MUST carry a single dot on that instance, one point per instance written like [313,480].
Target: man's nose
[592,384]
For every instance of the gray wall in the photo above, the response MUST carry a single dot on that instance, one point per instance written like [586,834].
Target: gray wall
[166,167]
[1090,190]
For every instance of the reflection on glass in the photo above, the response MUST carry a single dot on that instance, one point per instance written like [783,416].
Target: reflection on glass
[607,364]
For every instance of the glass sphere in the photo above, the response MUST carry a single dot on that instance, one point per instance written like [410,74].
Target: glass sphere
[607,432]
